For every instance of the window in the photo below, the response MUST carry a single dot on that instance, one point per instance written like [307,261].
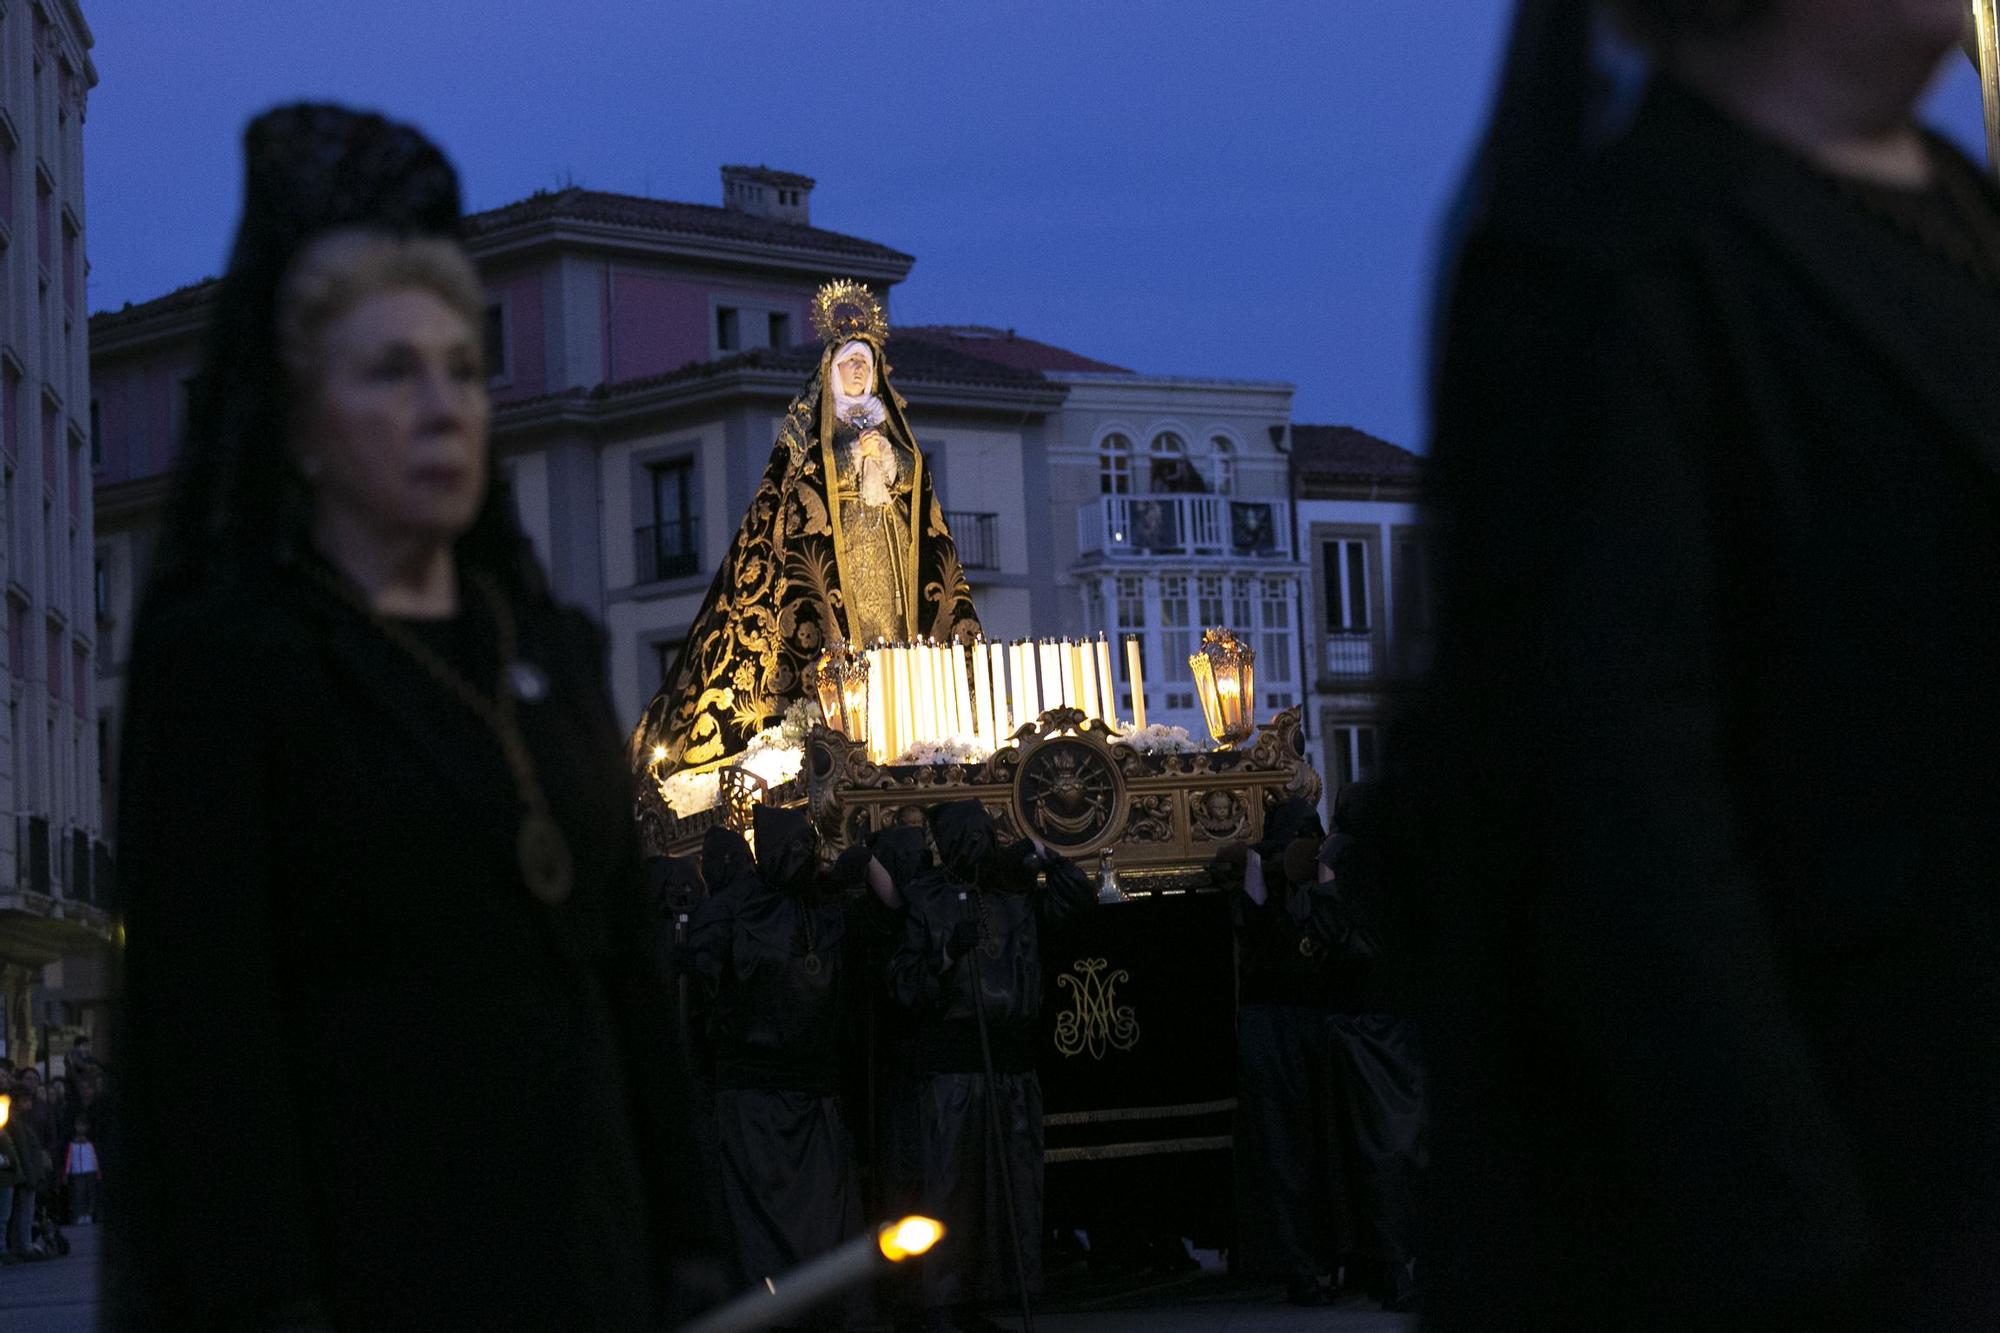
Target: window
[70,266]
[1172,473]
[1177,636]
[45,220]
[6,178]
[728,331]
[667,656]
[1210,586]
[1114,465]
[10,403]
[96,433]
[103,750]
[1274,642]
[780,329]
[669,547]
[55,680]
[1352,747]
[101,586]
[494,339]
[1344,568]
[1222,454]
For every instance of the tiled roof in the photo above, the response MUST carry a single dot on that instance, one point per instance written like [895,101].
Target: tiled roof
[627,210]
[911,363]
[763,175]
[1343,451]
[1004,347]
[191,297]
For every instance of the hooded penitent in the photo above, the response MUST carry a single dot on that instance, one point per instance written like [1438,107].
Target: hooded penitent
[844,541]
[725,859]
[787,849]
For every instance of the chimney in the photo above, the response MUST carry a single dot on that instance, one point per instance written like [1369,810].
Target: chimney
[782,196]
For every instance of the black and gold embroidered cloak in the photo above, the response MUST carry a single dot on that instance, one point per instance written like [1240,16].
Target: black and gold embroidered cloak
[802,573]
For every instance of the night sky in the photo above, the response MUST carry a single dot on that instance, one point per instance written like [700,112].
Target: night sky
[1248,190]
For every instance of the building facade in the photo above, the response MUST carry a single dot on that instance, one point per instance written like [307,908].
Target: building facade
[1170,512]
[52,859]
[642,355]
[1368,613]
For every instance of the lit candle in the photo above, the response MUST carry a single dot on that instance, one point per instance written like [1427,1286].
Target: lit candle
[906,699]
[878,715]
[1105,684]
[947,726]
[1135,672]
[982,704]
[961,688]
[927,709]
[1025,699]
[1051,675]
[1073,659]
[1089,695]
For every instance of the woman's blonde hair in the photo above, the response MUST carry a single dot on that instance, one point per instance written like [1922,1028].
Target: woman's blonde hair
[341,268]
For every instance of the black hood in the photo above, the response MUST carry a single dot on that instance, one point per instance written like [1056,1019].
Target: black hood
[965,835]
[1288,822]
[903,851]
[787,848]
[675,882]
[725,858]
[1358,810]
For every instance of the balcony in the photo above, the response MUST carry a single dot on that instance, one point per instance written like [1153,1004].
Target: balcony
[1138,527]
[668,551]
[977,537]
[1349,654]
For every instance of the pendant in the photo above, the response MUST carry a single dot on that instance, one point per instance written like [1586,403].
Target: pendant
[1306,947]
[545,860]
[526,682]
[990,946]
[812,964]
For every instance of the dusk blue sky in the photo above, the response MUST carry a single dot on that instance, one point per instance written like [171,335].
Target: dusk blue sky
[1249,190]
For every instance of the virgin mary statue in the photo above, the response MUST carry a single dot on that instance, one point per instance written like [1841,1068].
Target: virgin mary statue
[844,541]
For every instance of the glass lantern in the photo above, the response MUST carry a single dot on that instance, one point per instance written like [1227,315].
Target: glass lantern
[1225,677]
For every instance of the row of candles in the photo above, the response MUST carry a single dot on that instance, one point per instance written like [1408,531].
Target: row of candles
[895,695]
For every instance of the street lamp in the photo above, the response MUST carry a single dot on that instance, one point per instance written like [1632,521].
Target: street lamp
[1225,674]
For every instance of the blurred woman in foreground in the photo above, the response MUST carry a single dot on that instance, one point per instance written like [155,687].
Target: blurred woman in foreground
[375,829]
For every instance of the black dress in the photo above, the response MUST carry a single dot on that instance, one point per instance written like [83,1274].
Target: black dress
[363,1067]
[1708,762]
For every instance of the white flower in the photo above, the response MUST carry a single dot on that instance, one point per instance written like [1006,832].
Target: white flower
[955,750]
[691,793]
[1159,738]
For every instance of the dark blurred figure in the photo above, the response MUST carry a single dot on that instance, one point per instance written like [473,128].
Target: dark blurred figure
[1708,766]
[972,936]
[375,838]
[1288,1170]
[1377,1075]
[775,952]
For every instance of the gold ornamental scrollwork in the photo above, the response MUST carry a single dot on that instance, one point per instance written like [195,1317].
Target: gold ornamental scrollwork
[1095,1022]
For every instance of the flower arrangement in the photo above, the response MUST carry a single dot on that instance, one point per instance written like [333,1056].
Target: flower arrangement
[956,750]
[1159,738]
[775,754]
[691,793]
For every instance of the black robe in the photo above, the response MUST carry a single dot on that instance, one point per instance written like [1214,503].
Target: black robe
[1705,774]
[1287,1159]
[961,1167]
[360,1065]
[771,951]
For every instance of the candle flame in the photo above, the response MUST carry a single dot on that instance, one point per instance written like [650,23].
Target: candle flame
[909,1238]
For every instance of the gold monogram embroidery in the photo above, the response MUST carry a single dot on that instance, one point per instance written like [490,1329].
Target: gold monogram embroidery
[1096,1022]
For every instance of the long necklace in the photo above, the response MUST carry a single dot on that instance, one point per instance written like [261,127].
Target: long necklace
[540,847]
[812,947]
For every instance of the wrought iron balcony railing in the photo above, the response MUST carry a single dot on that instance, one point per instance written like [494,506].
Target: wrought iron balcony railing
[1125,527]
[669,550]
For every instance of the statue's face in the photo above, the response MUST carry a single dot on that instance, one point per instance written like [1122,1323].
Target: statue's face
[855,371]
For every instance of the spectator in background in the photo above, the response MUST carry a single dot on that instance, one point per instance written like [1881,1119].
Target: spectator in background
[80,1173]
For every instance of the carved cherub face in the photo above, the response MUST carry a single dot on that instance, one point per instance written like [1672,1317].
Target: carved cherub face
[856,371]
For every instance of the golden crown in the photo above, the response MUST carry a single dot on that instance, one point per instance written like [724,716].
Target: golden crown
[845,310]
